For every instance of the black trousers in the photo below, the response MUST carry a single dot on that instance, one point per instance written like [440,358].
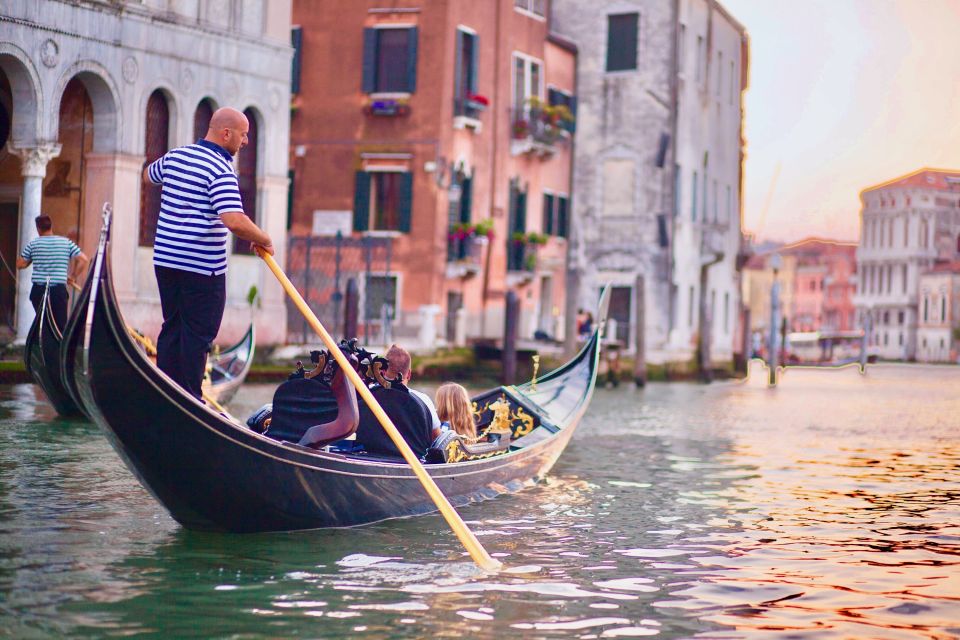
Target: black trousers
[192,307]
[58,302]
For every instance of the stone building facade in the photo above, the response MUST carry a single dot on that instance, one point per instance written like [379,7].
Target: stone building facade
[907,225]
[90,90]
[938,313]
[658,169]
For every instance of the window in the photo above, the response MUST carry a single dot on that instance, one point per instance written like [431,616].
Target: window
[678,186]
[465,73]
[296,41]
[380,297]
[733,81]
[926,308]
[555,211]
[155,145]
[390,60]
[716,200]
[201,118]
[690,308]
[526,81]
[622,32]
[247,177]
[903,277]
[682,48]
[693,199]
[943,309]
[517,252]
[729,213]
[716,90]
[700,54]
[726,312]
[556,97]
[900,317]
[383,201]
[536,7]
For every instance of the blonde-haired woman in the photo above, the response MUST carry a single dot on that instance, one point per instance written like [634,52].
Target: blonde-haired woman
[453,407]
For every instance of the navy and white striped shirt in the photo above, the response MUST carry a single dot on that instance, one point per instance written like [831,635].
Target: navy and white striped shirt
[50,256]
[199,184]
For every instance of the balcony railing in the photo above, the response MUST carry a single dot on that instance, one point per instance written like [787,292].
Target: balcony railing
[465,256]
[535,129]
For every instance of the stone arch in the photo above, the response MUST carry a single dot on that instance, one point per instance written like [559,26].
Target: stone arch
[174,114]
[105,98]
[260,122]
[250,165]
[26,120]
[201,113]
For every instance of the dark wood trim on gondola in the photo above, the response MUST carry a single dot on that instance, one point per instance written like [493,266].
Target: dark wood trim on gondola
[41,355]
[214,474]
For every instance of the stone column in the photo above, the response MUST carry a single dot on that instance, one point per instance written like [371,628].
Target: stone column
[33,162]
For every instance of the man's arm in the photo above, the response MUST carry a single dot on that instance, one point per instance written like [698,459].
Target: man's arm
[23,263]
[78,266]
[244,227]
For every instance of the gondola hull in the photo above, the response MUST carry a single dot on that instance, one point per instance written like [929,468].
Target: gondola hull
[41,356]
[213,474]
[229,369]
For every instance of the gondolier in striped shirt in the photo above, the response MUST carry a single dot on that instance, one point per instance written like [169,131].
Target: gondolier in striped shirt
[199,203]
[56,260]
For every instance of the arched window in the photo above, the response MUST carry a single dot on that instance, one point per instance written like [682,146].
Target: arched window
[247,176]
[155,145]
[201,119]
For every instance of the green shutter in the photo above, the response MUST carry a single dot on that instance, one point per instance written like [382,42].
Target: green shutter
[458,57]
[361,202]
[522,211]
[406,201]
[475,65]
[369,60]
[296,41]
[466,200]
[412,59]
[548,213]
[563,215]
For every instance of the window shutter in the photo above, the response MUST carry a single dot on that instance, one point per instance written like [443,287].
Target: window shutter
[522,211]
[457,79]
[466,200]
[412,59]
[361,202]
[369,60]
[296,40]
[563,208]
[553,97]
[475,64]
[406,201]
[548,214]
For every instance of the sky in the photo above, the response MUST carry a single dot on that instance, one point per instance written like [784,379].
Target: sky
[842,95]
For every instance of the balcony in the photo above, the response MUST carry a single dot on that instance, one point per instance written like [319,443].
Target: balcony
[464,256]
[521,260]
[539,130]
[466,112]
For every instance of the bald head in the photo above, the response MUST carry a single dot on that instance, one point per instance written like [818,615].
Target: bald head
[228,128]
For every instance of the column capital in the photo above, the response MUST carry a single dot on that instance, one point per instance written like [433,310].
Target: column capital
[34,159]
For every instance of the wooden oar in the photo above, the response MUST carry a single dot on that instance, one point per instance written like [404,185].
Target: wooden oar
[151,350]
[467,538]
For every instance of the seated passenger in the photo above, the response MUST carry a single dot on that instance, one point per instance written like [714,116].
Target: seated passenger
[407,411]
[453,408]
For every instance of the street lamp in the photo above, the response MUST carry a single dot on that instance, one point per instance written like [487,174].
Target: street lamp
[776,262]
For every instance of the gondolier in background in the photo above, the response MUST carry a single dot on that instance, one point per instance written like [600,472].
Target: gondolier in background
[199,203]
[56,260]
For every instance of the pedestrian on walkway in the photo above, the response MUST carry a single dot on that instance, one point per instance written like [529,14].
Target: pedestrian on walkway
[56,260]
[199,203]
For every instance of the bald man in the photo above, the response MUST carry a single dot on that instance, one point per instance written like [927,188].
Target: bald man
[199,204]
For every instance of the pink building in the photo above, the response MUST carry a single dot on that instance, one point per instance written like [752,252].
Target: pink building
[823,285]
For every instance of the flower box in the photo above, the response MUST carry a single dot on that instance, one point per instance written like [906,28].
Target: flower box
[389,108]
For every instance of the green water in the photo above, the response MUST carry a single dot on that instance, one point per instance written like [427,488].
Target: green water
[829,507]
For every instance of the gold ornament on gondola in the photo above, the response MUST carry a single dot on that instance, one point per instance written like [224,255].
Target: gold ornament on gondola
[536,367]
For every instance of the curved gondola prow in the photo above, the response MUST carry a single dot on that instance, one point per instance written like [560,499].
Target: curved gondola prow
[42,358]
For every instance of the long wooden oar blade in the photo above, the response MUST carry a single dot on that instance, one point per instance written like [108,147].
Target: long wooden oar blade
[466,536]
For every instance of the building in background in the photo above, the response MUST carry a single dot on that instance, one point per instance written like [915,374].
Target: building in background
[938,310]
[658,169]
[430,154]
[90,91]
[817,284]
[907,225]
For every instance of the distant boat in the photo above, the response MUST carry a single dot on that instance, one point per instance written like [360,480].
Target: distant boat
[211,473]
[41,355]
[229,368]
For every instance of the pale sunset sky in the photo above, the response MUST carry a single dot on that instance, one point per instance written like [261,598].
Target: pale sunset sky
[843,94]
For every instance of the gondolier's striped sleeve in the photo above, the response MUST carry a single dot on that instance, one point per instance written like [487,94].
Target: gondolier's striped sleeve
[225,194]
[155,171]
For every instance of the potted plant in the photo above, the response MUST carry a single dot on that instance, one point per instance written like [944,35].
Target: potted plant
[387,107]
[476,102]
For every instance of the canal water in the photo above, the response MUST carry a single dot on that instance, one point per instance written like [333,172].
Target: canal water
[826,508]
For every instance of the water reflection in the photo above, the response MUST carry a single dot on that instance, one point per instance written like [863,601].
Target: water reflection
[827,507]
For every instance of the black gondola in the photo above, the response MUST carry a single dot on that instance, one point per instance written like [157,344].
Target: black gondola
[213,474]
[229,368]
[41,355]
